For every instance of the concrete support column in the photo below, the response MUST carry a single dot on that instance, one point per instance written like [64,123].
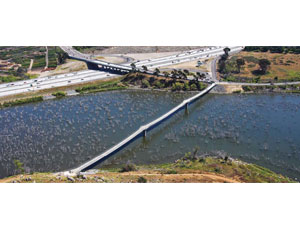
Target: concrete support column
[144,133]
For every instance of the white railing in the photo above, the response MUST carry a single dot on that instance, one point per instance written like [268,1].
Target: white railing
[141,131]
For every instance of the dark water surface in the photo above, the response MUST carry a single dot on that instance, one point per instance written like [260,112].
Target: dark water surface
[61,134]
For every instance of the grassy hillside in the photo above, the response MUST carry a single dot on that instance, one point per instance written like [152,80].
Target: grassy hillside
[283,67]
[20,58]
[188,169]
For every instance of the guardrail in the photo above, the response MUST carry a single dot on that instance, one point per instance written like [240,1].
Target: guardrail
[140,132]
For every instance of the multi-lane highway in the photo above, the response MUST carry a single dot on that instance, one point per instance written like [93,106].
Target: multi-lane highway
[51,82]
[91,75]
[156,62]
[186,57]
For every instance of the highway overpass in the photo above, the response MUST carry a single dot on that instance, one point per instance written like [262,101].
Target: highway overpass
[108,69]
[150,63]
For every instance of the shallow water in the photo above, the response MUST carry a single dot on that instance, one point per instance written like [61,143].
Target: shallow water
[61,134]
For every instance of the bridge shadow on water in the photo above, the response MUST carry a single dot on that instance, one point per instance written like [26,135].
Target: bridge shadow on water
[129,153]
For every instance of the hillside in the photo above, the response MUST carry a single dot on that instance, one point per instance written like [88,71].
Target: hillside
[282,67]
[189,169]
[21,62]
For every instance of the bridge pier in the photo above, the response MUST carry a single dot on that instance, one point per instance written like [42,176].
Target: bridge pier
[92,66]
[142,131]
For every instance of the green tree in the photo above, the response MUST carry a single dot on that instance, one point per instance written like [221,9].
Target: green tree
[226,51]
[166,74]
[264,64]
[19,166]
[193,87]
[240,62]
[156,71]
[186,71]
[133,66]
[144,67]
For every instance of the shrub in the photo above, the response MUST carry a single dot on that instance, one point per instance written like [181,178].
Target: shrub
[59,94]
[177,86]
[231,78]
[158,84]
[186,86]
[171,171]
[193,87]
[145,84]
[19,166]
[22,101]
[237,91]
[142,180]
[201,86]
[282,86]
[217,170]
[9,79]
[128,167]
[246,88]
[202,160]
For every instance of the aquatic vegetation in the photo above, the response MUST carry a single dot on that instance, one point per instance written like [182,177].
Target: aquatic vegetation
[59,94]
[103,86]
[57,135]
[22,101]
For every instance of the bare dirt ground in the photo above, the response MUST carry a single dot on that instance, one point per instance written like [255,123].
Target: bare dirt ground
[144,49]
[227,89]
[127,177]
[69,66]
[144,56]
[206,67]
[112,59]
[282,66]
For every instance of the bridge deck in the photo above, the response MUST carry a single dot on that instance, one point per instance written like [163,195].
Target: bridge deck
[140,132]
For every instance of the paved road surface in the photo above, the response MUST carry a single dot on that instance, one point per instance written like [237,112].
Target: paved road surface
[258,84]
[51,82]
[90,75]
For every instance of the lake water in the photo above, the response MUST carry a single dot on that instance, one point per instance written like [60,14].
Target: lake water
[57,135]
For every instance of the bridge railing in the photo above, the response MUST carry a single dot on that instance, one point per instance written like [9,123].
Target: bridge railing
[140,132]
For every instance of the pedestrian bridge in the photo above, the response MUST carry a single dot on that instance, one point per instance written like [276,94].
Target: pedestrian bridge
[141,132]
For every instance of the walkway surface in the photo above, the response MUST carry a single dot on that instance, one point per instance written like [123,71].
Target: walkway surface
[140,132]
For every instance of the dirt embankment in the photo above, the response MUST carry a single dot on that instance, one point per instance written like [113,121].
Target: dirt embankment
[136,49]
[227,89]
[189,169]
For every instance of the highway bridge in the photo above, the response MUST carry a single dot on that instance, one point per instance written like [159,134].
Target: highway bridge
[108,69]
[149,63]
[141,132]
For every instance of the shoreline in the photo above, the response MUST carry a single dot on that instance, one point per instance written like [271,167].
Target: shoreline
[227,89]
[188,169]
